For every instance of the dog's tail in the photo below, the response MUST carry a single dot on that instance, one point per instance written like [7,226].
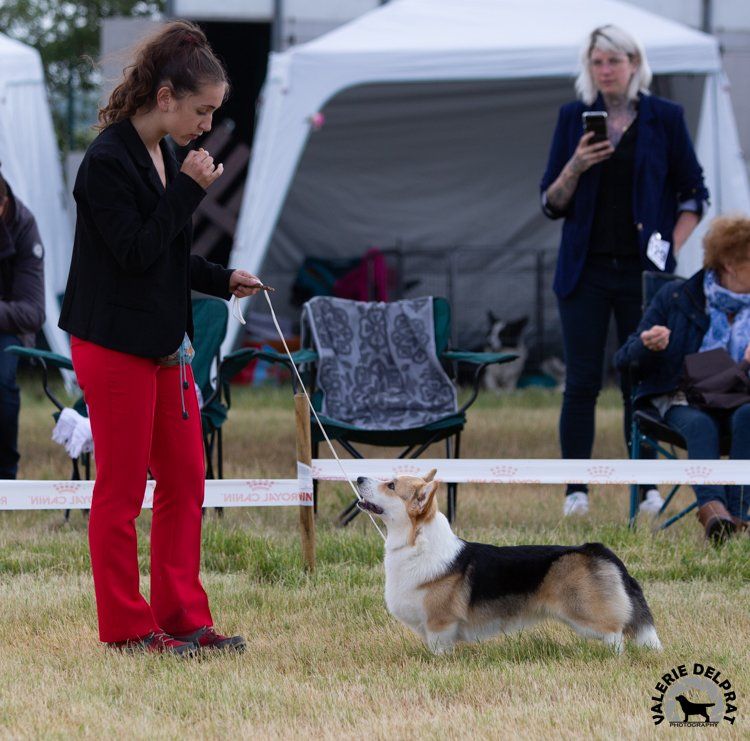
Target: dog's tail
[640,629]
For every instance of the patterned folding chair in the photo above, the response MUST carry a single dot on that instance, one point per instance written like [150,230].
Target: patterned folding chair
[381,374]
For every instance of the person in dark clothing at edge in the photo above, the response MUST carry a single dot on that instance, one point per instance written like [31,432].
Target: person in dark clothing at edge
[710,310]
[635,196]
[21,311]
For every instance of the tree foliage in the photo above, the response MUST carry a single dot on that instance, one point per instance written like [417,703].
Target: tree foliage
[66,34]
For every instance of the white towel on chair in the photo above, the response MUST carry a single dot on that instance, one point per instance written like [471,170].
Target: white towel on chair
[74,432]
[66,423]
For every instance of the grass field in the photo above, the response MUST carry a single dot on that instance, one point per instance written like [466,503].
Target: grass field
[325,660]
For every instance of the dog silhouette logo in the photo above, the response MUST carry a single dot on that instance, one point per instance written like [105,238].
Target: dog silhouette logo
[694,708]
[694,695]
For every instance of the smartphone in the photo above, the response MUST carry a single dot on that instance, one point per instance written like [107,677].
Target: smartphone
[595,121]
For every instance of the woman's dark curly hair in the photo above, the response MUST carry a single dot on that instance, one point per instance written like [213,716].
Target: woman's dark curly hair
[178,55]
[727,242]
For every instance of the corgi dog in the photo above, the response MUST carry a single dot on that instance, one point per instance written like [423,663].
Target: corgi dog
[448,590]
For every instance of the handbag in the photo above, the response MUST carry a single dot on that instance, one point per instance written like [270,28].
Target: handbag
[714,380]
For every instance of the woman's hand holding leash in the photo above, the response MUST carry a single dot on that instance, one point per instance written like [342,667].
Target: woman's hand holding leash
[242,283]
[199,165]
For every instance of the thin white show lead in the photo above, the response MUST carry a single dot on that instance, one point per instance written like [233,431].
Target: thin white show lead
[315,414]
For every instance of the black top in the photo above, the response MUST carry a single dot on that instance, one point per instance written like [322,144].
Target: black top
[613,231]
[131,271]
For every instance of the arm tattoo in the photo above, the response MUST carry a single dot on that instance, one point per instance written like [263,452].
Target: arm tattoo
[560,193]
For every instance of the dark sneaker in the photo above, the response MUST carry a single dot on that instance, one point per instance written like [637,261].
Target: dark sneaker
[159,643]
[208,638]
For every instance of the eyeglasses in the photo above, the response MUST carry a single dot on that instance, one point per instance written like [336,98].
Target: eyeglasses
[612,62]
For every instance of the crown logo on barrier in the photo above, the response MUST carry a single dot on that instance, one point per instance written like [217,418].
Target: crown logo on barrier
[406,469]
[67,487]
[600,472]
[259,485]
[698,472]
[503,470]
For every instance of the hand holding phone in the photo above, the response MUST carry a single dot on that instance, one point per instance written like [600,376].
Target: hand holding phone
[595,122]
[594,146]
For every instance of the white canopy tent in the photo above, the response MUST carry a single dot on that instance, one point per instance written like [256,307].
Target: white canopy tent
[31,165]
[438,119]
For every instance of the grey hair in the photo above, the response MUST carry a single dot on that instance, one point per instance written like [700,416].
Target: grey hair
[613,39]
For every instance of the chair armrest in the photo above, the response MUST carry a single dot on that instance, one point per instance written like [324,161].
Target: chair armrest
[481,360]
[51,359]
[478,358]
[233,363]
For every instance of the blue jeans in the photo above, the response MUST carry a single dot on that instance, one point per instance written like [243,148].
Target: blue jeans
[607,287]
[702,431]
[10,405]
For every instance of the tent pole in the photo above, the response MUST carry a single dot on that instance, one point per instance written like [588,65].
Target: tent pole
[277,25]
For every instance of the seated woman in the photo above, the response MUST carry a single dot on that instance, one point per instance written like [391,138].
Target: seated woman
[709,310]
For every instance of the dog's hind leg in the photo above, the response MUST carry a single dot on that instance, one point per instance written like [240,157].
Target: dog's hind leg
[647,637]
[612,639]
[640,628]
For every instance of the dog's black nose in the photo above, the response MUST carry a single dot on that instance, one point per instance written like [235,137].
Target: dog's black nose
[360,479]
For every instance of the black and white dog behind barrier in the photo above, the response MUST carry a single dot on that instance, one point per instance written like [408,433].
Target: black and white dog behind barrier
[505,337]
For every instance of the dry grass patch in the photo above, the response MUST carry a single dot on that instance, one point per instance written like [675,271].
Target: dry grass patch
[325,659]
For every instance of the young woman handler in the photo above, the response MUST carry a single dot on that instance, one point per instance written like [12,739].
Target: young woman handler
[127,307]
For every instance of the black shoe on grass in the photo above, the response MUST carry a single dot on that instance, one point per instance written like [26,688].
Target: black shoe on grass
[158,643]
[207,638]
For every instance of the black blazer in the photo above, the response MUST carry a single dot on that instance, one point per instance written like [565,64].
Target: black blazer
[131,271]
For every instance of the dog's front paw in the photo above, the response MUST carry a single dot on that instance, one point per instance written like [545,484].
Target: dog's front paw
[440,643]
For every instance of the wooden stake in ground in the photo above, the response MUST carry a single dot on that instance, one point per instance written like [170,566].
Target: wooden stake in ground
[304,457]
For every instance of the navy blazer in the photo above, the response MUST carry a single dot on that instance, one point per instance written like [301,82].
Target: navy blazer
[131,271]
[666,173]
[681,306]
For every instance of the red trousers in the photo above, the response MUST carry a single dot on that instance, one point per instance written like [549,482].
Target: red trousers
[137,425]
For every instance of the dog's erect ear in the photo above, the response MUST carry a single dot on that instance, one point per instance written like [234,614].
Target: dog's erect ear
[430,475]
[425,495]
[518,325]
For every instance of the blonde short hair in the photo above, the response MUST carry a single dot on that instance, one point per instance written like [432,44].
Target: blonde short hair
[613,39]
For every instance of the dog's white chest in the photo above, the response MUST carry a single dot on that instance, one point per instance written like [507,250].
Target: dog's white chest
[404,602]
[405,576]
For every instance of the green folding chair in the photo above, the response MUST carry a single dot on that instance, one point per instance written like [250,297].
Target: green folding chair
[414,440]
[210,317]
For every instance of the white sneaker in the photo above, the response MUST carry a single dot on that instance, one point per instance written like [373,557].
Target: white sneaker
[576,503]
[652,502]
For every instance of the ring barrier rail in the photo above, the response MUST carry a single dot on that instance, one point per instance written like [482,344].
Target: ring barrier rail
[41,495]
[544,471]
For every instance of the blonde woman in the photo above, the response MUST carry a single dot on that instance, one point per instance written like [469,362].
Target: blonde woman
[641,184]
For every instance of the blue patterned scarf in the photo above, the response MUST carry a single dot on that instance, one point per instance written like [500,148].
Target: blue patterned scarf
[720,305]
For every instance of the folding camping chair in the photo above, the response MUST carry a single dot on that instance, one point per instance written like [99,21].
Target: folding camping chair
[210,317]
[414,439]
[649,429]
[210,321]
